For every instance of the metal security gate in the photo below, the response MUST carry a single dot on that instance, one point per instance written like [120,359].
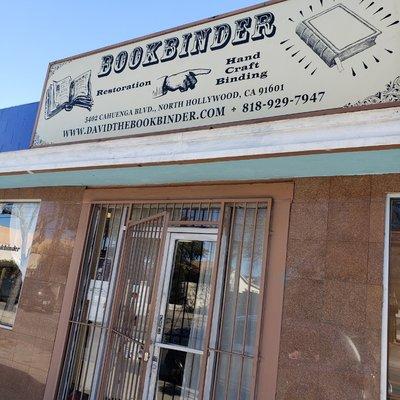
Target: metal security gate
[112,347]
[90,320]
[128,347]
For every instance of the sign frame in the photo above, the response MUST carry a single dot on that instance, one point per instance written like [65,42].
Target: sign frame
[329,111]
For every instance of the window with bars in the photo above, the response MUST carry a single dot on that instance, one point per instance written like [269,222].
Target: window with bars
[236,282]
[234,347]
[393,335]
[89,322]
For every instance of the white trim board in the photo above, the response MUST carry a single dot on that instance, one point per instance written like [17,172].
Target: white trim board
[312,134]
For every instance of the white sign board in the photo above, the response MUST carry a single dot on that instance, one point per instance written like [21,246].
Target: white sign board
[271,61]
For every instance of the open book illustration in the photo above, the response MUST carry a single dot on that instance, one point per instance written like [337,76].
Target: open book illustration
[67,93]
[337,34]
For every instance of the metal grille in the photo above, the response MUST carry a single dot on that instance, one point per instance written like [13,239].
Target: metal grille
[184,214]
[129,344]
[90,319]
[235,346]
[105,359]
[393,282]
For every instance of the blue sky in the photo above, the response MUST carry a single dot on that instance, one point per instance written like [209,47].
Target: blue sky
[33,33]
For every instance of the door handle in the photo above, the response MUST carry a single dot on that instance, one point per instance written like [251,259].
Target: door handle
[143,355]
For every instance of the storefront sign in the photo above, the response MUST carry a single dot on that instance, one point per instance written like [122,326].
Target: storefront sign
[283,59]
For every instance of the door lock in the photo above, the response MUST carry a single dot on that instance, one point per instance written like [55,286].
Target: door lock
[143,355]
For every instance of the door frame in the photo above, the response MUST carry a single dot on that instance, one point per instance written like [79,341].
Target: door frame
[385,300]
[173,234]
[282,195]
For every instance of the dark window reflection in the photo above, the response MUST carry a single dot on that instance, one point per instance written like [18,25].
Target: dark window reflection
[189,295]
[178,376]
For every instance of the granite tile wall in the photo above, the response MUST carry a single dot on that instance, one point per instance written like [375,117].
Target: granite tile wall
[25,351]
[331,326]
[331,323]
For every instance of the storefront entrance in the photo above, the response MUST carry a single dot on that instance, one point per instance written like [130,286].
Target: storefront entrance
[169,303]
[184,310]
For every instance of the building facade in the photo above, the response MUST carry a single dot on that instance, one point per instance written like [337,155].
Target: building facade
[251,260]
[328,246]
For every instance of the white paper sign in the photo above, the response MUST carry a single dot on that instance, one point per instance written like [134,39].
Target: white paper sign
[287,58]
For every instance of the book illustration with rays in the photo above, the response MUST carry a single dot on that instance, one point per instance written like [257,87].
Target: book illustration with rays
[337,34]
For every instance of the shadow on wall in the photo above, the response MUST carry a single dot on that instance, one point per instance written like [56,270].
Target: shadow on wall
[18,385]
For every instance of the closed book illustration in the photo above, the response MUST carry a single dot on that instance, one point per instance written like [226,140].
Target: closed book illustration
[67,93]
[337,34]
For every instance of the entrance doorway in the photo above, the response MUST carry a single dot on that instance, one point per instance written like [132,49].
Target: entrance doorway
[180,327]
[178,313]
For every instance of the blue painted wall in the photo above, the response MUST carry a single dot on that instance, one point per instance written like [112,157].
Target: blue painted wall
[16,126]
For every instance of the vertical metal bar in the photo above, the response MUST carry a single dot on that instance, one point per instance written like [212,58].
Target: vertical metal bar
[163,231]
[190,380]
[85,271]
[214,383]
[133,280]
[226,266]
[88,254]
[262,291]
[132,272]
[145,276]
[112,289]
[136,247]
[148,277]
[202,265]
[81,359]
[109,234]
[141,212]
[138,275]
[174,309]
[173,212]
[180,217]
[115,341]
[185,297]
[121,326]
[236,288]
[248,299]
[128,279]
[111,273]
[92,269]
[106,365]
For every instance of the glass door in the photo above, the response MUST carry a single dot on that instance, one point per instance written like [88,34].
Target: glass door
[180,325]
